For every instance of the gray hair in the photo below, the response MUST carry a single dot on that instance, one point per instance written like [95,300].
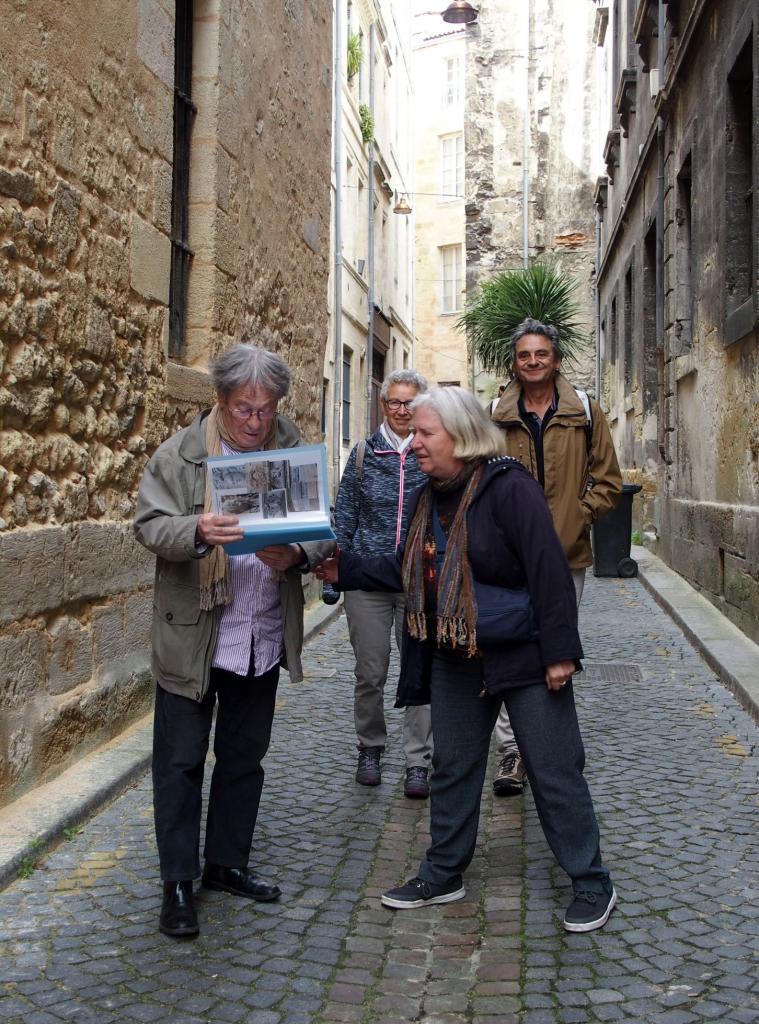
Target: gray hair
[245,365]
[413,378]
[530,326]
[474,434]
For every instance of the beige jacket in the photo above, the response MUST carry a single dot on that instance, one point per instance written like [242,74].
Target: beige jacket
[170,500]
[580,485]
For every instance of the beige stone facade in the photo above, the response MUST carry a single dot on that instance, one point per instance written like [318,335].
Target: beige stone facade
[678,285]
[532,58]
[87,390]
[440,264]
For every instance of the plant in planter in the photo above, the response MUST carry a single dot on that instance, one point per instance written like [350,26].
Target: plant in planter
[355,55]
[366,122]
[541,291]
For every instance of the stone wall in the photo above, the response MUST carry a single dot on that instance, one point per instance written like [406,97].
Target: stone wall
[561,157]
[86,389]
[685,403]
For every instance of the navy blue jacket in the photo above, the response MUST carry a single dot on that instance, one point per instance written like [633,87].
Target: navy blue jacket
[511,543]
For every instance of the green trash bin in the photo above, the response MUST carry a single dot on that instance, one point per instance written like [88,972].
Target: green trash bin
[611,537]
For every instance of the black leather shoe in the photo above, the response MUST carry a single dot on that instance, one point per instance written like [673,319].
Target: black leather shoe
[178,917]
[240,882]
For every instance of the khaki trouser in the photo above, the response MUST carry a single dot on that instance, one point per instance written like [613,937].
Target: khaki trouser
[504,734]
[371,618]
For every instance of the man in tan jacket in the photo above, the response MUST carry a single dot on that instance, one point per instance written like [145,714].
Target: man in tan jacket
[562,437]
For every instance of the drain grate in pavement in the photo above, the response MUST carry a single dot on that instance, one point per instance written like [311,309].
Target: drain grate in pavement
[610,672]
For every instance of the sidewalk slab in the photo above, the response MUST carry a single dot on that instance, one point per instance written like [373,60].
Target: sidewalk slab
[36,821]
[725,648]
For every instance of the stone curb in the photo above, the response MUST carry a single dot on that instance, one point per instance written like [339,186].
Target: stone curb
[724,647]
[35,822]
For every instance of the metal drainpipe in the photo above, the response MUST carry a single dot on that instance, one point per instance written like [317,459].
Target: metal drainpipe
[370,254]
[337,312]
[599,217]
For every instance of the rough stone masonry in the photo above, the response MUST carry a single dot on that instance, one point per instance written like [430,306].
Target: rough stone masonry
[86,388]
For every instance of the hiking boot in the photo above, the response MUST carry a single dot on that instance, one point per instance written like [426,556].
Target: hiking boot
[417,785]
[589,910]
[511,776]
[418,893]
[369,772]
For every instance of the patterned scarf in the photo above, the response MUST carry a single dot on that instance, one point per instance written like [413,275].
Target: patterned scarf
[214,567]
[456,607]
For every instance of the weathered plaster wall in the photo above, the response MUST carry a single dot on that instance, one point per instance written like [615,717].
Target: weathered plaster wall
[86,390]
[561,156]
[686,412]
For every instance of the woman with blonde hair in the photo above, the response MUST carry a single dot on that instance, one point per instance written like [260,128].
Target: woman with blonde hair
[480,542]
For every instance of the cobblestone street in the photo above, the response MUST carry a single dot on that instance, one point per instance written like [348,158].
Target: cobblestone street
[672,764]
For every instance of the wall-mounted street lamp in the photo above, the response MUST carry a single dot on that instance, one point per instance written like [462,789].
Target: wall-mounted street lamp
[402,206]
[460,12]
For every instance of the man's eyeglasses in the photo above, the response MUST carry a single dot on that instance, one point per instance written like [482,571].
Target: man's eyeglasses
[244,412]
[395,404]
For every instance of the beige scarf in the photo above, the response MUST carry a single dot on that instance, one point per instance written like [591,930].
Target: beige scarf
[214,568]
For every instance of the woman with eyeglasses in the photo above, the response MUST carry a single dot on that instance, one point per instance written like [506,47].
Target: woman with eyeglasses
[221,629]
[371,517]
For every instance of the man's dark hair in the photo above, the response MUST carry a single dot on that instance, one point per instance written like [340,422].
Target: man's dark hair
[530,326]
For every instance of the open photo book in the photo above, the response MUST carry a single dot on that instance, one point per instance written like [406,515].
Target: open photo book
[280,497]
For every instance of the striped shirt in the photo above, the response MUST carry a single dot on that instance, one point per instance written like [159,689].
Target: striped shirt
[254,618]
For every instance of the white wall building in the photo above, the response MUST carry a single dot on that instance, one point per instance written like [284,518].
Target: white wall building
[372,261]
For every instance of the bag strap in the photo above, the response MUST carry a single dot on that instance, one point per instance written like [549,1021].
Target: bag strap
[582,395]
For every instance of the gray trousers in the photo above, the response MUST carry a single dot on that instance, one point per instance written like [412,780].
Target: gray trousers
[549,738]
[504,734]
[371,619]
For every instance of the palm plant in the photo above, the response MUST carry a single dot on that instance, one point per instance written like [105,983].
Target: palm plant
[540,291]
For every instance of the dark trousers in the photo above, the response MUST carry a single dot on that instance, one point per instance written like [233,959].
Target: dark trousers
[547,731]
[180,743]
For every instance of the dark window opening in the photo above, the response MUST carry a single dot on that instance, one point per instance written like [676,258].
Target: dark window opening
[627,299]
[614,353]
[325,395]
[346,397]
[648,312]
[184,113]
[739,260]
[378,375]
[684,261]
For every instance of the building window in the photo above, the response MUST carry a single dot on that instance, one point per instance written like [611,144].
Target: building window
[325,397]
[451,266]
[346,396]
[449,383]
[739,205]
[451,82]
[378,375]
[184,113]
[684,261]
[648,316]
[627,298]
[452,167]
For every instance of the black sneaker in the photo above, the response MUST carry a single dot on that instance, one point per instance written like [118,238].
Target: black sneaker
[417,785]
[418,893]
[589,910]
[369,772]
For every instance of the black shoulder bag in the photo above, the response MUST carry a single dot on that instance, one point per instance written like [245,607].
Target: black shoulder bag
[504,615]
